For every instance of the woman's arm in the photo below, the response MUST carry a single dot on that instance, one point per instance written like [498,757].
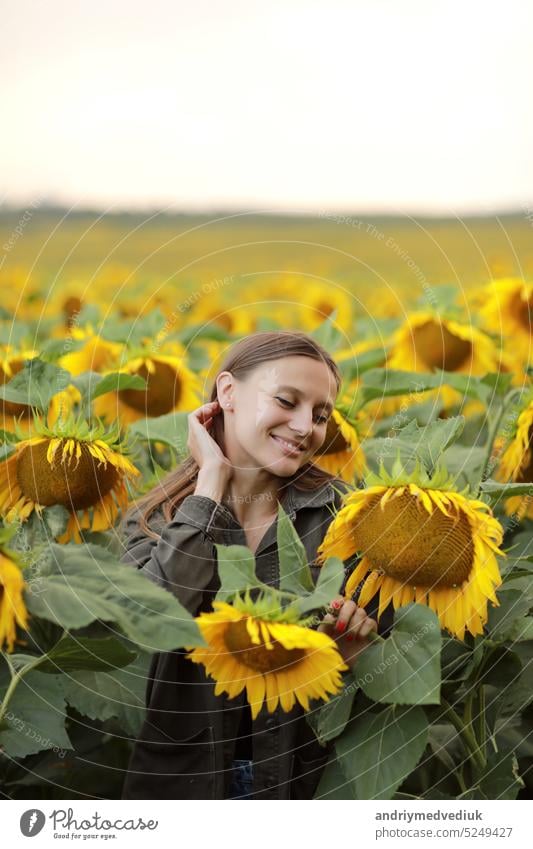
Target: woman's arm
[183,559]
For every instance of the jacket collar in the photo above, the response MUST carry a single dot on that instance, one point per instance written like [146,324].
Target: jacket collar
[295,499]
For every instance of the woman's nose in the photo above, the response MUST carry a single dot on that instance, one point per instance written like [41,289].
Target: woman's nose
[302,422]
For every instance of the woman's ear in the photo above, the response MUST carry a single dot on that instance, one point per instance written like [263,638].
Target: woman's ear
[225,388]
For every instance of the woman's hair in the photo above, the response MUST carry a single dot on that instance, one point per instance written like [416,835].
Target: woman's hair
[242,358]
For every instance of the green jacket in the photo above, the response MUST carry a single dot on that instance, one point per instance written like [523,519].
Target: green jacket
[187,743]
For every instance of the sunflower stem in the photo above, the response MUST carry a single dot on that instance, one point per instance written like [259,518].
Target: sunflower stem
[460,780]
[466,735]
[15,681]
[493,430]
[482,727]
[375,637]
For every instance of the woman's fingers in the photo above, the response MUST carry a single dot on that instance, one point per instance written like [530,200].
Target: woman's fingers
[206,411]
[348,609]
[360,626]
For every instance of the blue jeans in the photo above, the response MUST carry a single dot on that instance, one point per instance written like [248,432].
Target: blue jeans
[241,786]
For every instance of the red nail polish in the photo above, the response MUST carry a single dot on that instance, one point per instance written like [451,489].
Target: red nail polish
[350,637]
[341,626]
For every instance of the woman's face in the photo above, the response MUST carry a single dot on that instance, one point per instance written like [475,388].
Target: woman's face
[278,414]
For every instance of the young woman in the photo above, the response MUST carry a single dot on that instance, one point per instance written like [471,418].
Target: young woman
[251,447]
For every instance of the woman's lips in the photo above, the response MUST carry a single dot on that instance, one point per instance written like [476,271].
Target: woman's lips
[287,447]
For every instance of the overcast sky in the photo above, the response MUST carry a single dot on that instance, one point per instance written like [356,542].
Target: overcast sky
[367,105]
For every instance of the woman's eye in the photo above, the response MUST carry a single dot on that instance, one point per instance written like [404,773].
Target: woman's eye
[322,419]
[284,401]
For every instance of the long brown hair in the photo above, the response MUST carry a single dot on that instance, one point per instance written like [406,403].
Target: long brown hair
[242,358]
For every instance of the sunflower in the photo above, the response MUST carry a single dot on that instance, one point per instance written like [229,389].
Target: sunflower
[341,453]
[251,645]
[12,608]
[170,386]
[96,354]
[426,343]
[11,362]
[420,541]
[214,311]
[83,468]
[320,300]
[508,311]
[516,461]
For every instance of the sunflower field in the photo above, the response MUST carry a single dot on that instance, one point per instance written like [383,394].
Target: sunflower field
[111,333]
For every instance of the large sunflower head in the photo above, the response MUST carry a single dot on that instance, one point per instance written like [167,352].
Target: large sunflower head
[12,608]
[341,453]
[427,342]
[83,468]
[420,540]
[254,645]
[170,386]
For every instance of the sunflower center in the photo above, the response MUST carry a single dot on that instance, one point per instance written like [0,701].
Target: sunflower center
[224,321]
[324,308]
[259,657]
[75,485]
[408,544]
[11,408]
[523,311]
[334,442]
[438,348]
[162,393]
[71,309]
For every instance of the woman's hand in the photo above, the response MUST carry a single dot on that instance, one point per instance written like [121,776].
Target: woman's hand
[350,629]
[215,469]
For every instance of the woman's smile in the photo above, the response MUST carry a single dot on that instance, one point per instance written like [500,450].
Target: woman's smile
[288,446]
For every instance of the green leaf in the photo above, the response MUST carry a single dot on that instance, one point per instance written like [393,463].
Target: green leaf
[333,783]
[36,384]
[330,580]
[353,367]
[54,349]
[504,619]
[328,334]
[135,331]
[82,583]
[505,490]
[500,778]
[236,570]
[119,693]
[83,653]
[194,332]
[91,385]
[522,630]
[330,720]
[379,751]
[412,442]
[404,668]
[387,383]
[35,716]
[56,520]
[295,574]
[517,694]
[117,381]
[502,669]
[172,429]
